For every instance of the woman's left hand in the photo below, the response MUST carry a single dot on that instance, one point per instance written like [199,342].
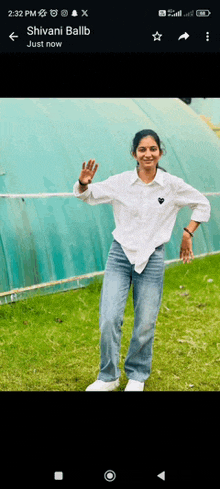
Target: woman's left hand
[186,251]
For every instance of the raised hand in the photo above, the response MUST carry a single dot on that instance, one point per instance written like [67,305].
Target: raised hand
[88,172]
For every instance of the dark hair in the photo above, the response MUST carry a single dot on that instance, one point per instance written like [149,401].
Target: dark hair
[143,134]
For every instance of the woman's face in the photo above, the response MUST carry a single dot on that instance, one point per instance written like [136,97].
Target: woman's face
[148,154]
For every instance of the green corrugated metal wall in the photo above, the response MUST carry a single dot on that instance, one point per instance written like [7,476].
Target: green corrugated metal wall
[209,107]
[43,143]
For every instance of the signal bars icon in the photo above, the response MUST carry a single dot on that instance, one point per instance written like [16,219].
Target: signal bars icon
[172,13]
[189,14]
[175,14]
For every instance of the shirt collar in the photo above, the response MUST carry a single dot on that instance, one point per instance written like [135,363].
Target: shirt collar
[158,178]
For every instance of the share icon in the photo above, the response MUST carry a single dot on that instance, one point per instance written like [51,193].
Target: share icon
[184,36]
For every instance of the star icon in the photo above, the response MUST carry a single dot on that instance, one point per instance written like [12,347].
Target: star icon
[157,36]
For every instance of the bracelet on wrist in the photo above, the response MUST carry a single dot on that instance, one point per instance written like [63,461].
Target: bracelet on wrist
[83,184]
[191,234]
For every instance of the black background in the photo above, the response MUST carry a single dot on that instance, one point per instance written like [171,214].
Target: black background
[136,435]
[110,75]
[83,435]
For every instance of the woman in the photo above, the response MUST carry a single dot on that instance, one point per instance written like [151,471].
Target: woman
[145,203]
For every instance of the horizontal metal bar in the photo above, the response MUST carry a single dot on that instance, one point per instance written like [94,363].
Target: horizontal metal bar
[62,194]
[36,196]
[210,193]
[167,262]
[81,277]
[51,284]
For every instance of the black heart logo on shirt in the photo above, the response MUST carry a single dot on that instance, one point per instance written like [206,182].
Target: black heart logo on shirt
[160,200]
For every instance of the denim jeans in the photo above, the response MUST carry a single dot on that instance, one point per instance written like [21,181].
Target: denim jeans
[147,294]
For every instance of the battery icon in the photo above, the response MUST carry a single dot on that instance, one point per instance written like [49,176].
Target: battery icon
[203,13]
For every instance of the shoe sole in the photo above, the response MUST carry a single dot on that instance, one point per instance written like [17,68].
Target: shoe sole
[106,389]
[129,389]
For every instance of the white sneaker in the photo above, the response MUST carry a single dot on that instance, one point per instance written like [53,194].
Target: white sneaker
[134,385]
[99,385]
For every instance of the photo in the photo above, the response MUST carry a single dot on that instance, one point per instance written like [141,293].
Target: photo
[109,244]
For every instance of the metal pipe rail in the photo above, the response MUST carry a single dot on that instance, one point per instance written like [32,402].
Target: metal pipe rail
[62,194]
[80,277]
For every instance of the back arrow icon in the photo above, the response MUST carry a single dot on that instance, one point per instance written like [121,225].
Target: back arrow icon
[161,475]
[12,36]
[184,36]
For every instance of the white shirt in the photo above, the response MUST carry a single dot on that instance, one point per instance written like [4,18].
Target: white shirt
[145,214]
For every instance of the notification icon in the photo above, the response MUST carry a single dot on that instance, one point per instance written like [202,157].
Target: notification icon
[162,13]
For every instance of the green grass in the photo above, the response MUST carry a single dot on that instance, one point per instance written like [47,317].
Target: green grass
[51,343]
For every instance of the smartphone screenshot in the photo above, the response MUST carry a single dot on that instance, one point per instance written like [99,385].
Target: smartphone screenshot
[109,244]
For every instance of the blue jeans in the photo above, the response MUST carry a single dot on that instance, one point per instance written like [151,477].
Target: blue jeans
[147,294]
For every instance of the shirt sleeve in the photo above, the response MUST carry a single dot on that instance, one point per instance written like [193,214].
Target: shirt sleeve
[186,195]
[97,193]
